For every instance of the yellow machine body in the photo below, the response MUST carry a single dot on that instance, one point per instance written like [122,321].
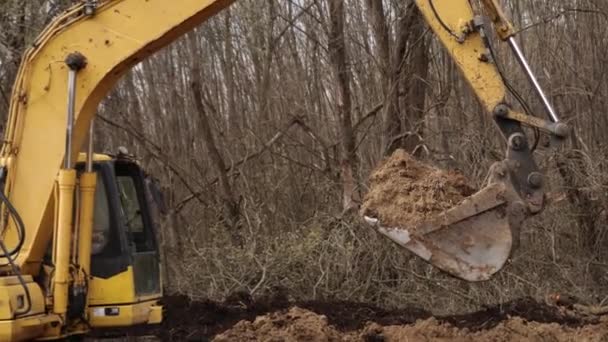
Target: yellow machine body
[11,299]
[123,289]
[129,308]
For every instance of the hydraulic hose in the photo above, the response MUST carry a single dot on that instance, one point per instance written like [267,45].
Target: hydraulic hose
[20,227]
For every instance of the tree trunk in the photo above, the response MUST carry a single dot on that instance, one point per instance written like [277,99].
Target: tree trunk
[230,204]
[228,69]
[12,47]
[388,74]
[415,85]
[377,18]
[338,59]
[402,121]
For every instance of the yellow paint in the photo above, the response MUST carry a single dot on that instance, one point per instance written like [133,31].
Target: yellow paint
[66,183]
[82,157]
[10,288]
[483,77]
[532,121]
[26,329]
[121,34]
[115,290]
[156,314]
[118,36]
[130,314]
[88,181]
[22,328]
[504,28]
[119,291]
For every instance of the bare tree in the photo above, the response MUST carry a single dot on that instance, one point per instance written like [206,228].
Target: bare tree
[230,204]
[338,57]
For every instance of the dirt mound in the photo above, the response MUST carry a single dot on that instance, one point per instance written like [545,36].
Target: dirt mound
[514,329]
[347,316]
[294,325]
[299,324]
[404,191]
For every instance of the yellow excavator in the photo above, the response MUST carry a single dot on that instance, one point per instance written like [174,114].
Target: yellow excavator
[77,243]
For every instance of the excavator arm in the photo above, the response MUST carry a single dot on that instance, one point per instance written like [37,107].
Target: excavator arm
[78,59]
[474,239]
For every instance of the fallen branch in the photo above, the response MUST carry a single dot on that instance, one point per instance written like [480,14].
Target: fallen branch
[591,310]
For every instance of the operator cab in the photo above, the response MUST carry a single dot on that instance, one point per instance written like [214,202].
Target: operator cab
[125,261]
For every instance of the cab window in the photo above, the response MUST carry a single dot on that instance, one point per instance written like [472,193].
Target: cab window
[131,195]
[130,204]
[101,221]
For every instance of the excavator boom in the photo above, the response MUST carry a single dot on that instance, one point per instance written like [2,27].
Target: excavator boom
[115,37]
[73,64]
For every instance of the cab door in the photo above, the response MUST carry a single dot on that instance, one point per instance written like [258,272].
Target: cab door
[139,228]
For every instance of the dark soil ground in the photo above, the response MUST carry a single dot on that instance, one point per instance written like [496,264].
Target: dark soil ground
[187,320]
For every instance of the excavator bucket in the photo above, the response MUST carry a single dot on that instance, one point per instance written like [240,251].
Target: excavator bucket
[472,240]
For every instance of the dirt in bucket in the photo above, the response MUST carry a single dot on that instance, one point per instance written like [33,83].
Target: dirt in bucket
[405,192]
